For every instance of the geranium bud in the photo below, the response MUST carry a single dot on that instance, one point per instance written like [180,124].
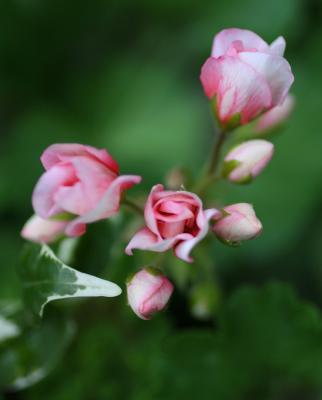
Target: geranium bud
[204,300]
[80,182]
[41,230]
[148,292]
[237,223]
[247,160]
[245,76]
[273,118]
[174,219]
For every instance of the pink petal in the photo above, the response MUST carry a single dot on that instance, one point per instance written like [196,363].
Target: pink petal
[107,206]
[172,211]
[275,70]
[224,39]
[183,249]
[48,184]
[157,300]
[171,229]
[94,179]
[149,212]
[278,46]
[57,153]
[276,115]
[239,89]
[143,239]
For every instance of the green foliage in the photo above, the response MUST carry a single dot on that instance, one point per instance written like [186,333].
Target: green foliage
[28,358]
[45,278]
[269,345]
[125,76]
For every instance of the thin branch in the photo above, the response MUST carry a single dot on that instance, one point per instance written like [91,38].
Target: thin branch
[133,205]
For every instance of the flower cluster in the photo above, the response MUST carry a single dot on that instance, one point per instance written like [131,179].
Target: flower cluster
[247,82]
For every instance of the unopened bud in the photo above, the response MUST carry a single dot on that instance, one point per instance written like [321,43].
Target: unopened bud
[41,230]
[244,162]
[148,292]
[204,300]
[237,223]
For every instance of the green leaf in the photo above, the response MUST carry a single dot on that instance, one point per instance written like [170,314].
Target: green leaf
[28,359]
[8,329]
[268,346]
[46,278]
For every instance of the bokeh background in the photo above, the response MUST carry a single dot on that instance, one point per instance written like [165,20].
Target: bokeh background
[125,75]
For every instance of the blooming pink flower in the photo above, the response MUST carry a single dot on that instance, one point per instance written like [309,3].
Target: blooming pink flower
[174,219]
[82,181]
[41,230]
[246,75]
[236,223]
[148,292]
[276,116]
[244,162]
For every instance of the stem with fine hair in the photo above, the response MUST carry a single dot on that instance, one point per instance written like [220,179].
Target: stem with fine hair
[211,173]
[216,153]
[133,205]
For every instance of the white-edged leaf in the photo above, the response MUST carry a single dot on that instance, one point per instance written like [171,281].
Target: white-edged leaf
[30,357]
[8,329]
[46,278]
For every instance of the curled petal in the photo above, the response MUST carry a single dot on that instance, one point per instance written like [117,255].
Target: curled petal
[144,239]
[183,249]
[57,153]
[148,210]
[48,184]
[108,205]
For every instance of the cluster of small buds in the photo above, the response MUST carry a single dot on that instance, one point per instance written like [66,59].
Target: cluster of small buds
[246,80]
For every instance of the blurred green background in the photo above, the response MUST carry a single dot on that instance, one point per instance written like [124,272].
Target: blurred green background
[125,75]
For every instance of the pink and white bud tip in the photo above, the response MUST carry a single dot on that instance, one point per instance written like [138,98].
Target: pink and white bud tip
[246,161]
[237,223]
[41,230]
[148,292]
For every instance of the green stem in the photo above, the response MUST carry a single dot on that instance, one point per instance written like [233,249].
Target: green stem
[216,153]
[211,174]
[133,205]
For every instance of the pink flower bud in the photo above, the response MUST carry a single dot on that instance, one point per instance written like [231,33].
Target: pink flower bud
[276,116]
[237,222]
[244,162]
[148,292]
[245,76]
[174,219]
[81,181]
[41,230]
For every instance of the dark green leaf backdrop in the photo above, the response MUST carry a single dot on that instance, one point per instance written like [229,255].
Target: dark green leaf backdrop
[125,75]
